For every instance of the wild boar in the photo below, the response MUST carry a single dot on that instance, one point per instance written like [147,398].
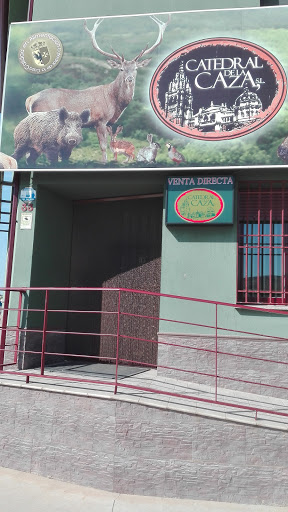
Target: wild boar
[53,133]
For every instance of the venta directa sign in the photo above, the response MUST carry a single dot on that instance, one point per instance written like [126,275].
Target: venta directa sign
[200,200]
[180,90]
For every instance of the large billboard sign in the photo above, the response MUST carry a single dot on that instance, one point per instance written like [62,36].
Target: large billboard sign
[192,90]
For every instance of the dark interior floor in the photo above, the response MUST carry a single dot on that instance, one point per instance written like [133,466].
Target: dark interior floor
[105,371]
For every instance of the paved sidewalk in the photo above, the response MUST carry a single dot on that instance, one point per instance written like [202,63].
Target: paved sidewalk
[32,493]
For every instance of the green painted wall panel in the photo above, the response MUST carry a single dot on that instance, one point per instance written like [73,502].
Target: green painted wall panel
[23,252]
[42,254]
[201,262]
[197,262]
[52,242]
[77,9]
[23,249]
[18,10]
[51,254]
[47,243]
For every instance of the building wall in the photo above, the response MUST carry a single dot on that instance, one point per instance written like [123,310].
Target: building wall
[42,258]
[52,241]
[74,9]
[201,262]
[130,448]
[196,261]
[233,372]
[23,249]
[42,254]
[18,10]
[50,264]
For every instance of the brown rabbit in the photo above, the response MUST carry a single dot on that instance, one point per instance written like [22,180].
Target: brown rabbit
[120,146]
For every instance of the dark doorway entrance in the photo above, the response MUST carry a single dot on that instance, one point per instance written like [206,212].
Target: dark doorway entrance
[116,243]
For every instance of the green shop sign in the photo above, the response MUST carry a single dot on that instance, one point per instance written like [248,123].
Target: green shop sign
[200,200]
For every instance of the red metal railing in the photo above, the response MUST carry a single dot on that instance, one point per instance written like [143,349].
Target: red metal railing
[13,351]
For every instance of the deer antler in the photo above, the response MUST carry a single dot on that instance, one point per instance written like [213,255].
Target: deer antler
[95,44]
[162,26]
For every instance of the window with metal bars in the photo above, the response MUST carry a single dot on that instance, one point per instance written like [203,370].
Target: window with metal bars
[263,243]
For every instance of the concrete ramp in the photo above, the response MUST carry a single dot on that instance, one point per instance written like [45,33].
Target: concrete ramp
[141,443]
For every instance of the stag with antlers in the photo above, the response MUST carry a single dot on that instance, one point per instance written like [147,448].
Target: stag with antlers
[106,102]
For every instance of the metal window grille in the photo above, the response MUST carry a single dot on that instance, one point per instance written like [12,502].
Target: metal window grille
[263,243]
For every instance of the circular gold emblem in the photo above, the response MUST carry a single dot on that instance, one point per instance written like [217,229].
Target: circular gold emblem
[40,53]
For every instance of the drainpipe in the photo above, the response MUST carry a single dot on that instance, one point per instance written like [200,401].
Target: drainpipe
[30,10]
[4,6]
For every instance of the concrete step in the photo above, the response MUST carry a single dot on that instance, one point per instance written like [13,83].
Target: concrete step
[269,409]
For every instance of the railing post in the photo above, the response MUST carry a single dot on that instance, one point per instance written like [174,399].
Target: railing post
[18,327]
[117,346]
[216,350]
[11,241]
[44,332]
[3,329]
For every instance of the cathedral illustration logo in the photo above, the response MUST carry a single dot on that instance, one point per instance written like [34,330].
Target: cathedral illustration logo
[199,205]
[40,53]
[218,89]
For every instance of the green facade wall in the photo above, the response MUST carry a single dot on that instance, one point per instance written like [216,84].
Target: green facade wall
[75,9]
[52,240]
[23,248]
[18,10]
[42,254]
[201,262]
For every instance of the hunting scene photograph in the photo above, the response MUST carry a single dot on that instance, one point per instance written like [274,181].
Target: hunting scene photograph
[178,90]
